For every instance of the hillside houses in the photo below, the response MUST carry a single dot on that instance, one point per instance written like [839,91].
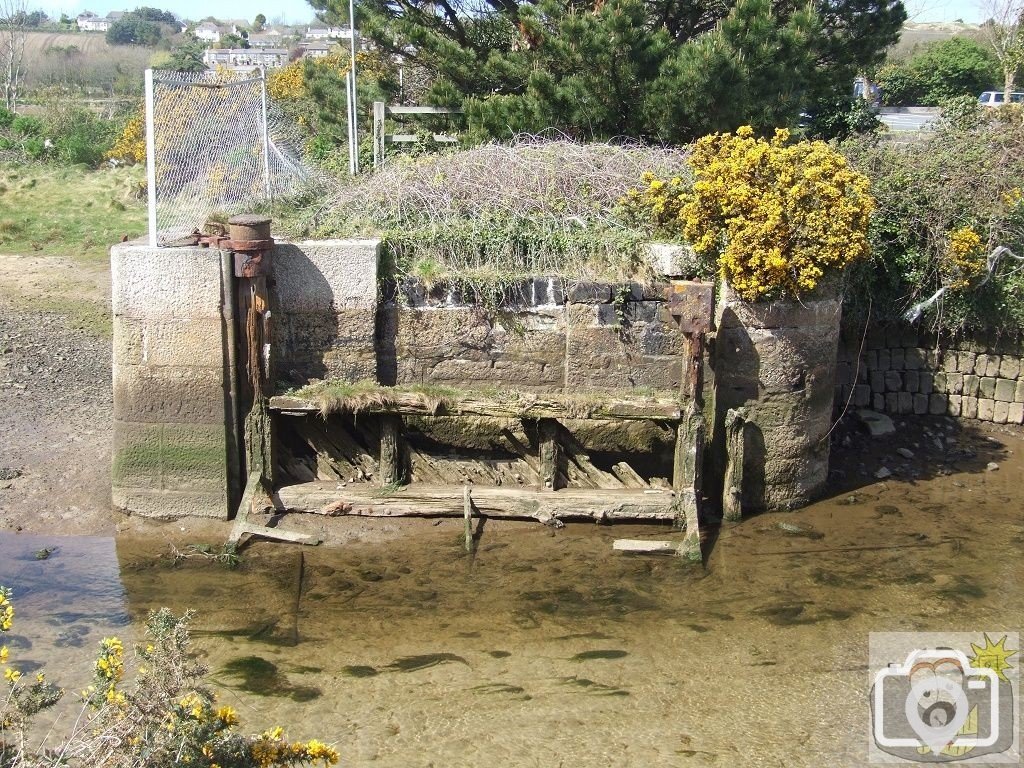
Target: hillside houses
[90,22]
[208,32]
[245,58]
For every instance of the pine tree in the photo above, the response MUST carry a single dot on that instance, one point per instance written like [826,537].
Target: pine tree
[664,70]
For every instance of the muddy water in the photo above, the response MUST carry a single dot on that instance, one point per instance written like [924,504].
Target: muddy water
[546,649]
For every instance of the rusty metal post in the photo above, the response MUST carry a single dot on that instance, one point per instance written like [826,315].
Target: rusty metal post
[250,241]
[689,305]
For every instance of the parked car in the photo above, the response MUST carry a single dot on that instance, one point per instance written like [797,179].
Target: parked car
[997,98]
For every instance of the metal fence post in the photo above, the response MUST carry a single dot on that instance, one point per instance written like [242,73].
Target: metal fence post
[150,158]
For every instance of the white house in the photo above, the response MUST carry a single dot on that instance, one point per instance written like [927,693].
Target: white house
[327,33]
[313,50]
[245,58]
[90,22]
[208,32]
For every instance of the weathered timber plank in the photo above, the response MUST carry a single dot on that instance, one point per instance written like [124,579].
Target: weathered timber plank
[628,476]
[419,500]
[550,455]
[735,439]
[532,407]
[647,547]
[392,467]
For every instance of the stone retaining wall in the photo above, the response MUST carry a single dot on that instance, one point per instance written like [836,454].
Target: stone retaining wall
[542,336]
[903,371]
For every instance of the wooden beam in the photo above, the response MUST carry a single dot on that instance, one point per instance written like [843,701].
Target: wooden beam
[550,455]
[391,464]
[412,138]
[540,406]
[399,110]
[417,500]
[647,547]
[735,439]
[242,525]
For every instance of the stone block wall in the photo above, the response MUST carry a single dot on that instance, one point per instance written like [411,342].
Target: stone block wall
[544,336]
[324,302]
[170,434]
[903,371]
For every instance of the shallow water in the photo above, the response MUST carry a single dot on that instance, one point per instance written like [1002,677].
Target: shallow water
[546,648]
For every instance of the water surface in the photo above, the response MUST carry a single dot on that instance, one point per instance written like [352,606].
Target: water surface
[546,648]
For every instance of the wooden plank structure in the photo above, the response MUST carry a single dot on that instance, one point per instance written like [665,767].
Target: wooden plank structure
[373,454]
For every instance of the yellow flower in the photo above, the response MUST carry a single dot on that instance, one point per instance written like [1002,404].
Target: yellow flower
[12,675]
[228,716]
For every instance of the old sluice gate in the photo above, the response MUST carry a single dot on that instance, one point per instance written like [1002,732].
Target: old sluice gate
[245,366]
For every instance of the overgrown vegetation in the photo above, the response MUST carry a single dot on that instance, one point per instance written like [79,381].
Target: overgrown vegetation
[356,397]
[940,71]
[944,204]
[168,717]
[776,217]
[498,212]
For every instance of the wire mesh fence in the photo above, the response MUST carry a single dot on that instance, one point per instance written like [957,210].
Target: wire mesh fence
[215,147]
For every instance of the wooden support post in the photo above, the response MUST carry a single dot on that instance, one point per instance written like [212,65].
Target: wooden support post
[391,468]
[732,493]
[467,515]
[689,454]
[550,454]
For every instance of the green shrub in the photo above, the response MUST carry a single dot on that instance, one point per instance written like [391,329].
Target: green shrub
[6,117]
[960,181]
[27,125]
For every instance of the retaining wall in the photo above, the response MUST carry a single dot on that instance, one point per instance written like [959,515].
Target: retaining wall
[905,371]
[544,336]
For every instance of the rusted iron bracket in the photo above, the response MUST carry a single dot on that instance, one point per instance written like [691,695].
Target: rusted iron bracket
[248,239]
[691,305]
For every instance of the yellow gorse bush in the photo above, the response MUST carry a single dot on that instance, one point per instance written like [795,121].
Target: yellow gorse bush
[168,719]
[777,216]
[965,259]
[130,146]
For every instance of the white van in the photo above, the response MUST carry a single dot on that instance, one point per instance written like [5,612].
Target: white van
[995,98]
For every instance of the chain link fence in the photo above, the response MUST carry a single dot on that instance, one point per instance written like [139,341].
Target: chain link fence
[215,147]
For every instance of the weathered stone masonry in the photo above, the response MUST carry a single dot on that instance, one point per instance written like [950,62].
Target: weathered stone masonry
[904,371]
[170,434]
[174,439]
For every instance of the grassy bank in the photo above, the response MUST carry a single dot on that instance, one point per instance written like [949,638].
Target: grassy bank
[69,211]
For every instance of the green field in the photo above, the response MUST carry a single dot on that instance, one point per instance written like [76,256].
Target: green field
[69,211]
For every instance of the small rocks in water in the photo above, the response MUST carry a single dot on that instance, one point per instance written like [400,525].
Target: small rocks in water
[883,473]
[991,467]
[906,453]
[877,424]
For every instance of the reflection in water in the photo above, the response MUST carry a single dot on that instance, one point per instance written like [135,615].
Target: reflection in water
[546,649]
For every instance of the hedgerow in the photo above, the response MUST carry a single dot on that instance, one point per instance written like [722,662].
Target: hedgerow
[945,204]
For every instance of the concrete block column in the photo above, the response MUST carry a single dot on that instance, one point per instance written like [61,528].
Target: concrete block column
[170,382]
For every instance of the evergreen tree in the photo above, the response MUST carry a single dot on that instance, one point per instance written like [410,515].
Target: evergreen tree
[653,69]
